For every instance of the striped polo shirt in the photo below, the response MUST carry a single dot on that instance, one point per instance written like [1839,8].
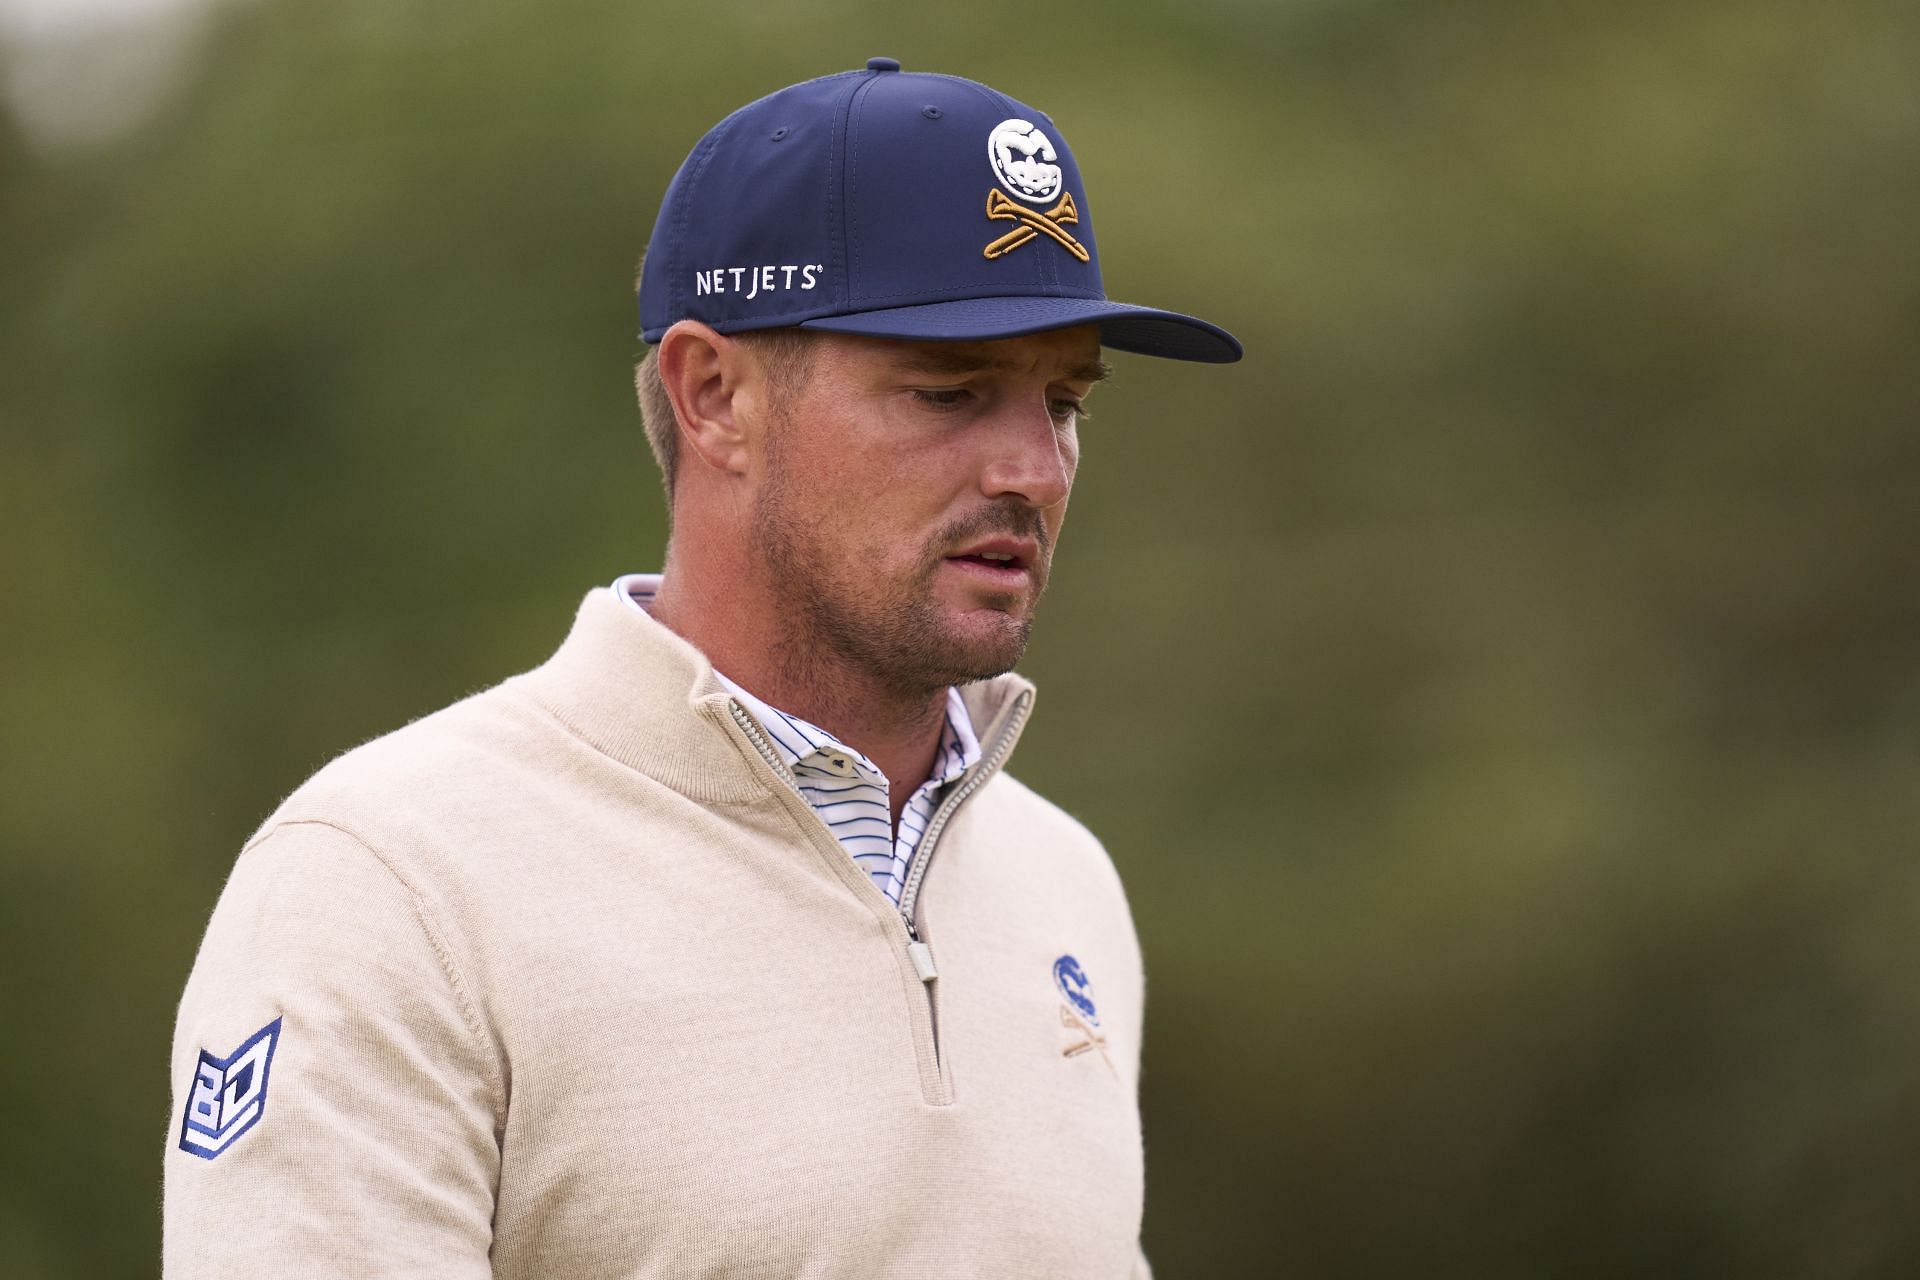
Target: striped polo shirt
[846,789]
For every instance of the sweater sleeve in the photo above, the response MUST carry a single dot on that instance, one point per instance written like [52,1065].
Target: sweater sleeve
[335,1104]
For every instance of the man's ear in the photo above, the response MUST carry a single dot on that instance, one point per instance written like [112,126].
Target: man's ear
[712,382]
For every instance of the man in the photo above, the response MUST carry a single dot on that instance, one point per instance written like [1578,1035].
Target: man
[722,944]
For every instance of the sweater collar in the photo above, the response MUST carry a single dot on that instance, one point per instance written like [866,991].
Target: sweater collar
[797,739]
[646,697]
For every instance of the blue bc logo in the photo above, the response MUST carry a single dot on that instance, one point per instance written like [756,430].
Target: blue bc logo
[1076,986]
[229,1095]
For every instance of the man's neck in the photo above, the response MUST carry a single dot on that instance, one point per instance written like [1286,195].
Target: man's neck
[899,730]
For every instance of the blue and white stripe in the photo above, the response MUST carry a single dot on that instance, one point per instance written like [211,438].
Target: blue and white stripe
[846,789]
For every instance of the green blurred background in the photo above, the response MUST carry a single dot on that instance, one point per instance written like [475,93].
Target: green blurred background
[1500,692]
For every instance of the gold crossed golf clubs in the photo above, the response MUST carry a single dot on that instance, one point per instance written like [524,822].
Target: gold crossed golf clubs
[1033,222]
[1092,1039]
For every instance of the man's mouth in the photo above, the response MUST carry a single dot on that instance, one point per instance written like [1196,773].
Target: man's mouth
[1002,562]
[993,559]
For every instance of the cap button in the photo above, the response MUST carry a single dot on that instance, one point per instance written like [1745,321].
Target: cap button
[883,64]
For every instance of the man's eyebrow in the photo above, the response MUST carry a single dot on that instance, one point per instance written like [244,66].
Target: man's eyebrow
[957,361]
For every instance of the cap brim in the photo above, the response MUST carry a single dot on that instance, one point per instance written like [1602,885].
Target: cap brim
[1141,330]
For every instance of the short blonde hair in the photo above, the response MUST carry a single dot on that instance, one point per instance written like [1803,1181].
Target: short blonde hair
[785,354]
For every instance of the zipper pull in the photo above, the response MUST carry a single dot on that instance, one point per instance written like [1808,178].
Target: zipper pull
[922,956]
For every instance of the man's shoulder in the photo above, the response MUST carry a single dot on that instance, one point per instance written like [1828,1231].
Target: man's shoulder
[1049,856]
[1015,811]
[1021,803]
[463,754]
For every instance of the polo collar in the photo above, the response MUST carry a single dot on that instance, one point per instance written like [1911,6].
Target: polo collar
[959,748]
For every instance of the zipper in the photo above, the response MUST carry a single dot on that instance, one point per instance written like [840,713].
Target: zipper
[988,765]
[751,728]
[918,952]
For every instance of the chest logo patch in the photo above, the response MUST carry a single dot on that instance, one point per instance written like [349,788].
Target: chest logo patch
[1076,986]
[228,1095]
[1079,1016]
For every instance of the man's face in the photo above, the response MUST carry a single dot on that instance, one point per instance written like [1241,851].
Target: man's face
[912,497]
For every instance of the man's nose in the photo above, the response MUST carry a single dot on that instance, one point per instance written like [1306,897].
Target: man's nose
[1033,457]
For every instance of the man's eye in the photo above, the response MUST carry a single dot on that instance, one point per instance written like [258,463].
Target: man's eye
[1073,410]
[943,397]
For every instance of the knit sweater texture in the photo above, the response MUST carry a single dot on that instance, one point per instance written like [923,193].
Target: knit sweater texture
[571,982]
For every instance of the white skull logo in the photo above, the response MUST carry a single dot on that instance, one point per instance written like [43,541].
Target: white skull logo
[1023,159]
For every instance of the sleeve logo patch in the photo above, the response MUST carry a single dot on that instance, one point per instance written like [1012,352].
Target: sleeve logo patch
[228,1095]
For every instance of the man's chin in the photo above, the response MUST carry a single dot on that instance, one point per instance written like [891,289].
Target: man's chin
[984,641]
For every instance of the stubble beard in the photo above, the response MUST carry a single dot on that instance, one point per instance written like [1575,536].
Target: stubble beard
[891,635]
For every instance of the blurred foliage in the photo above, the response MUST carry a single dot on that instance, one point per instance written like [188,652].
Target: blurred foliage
[1500,692]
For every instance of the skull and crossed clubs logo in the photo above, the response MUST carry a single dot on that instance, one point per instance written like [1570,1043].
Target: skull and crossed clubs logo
[1026,164]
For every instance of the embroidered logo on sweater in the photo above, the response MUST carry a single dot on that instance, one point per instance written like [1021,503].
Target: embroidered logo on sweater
[1078,1014]
[228,1095]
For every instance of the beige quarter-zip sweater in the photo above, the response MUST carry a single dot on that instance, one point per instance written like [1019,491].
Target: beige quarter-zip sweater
[567,980]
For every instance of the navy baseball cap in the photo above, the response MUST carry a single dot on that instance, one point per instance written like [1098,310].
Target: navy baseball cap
[897,205]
